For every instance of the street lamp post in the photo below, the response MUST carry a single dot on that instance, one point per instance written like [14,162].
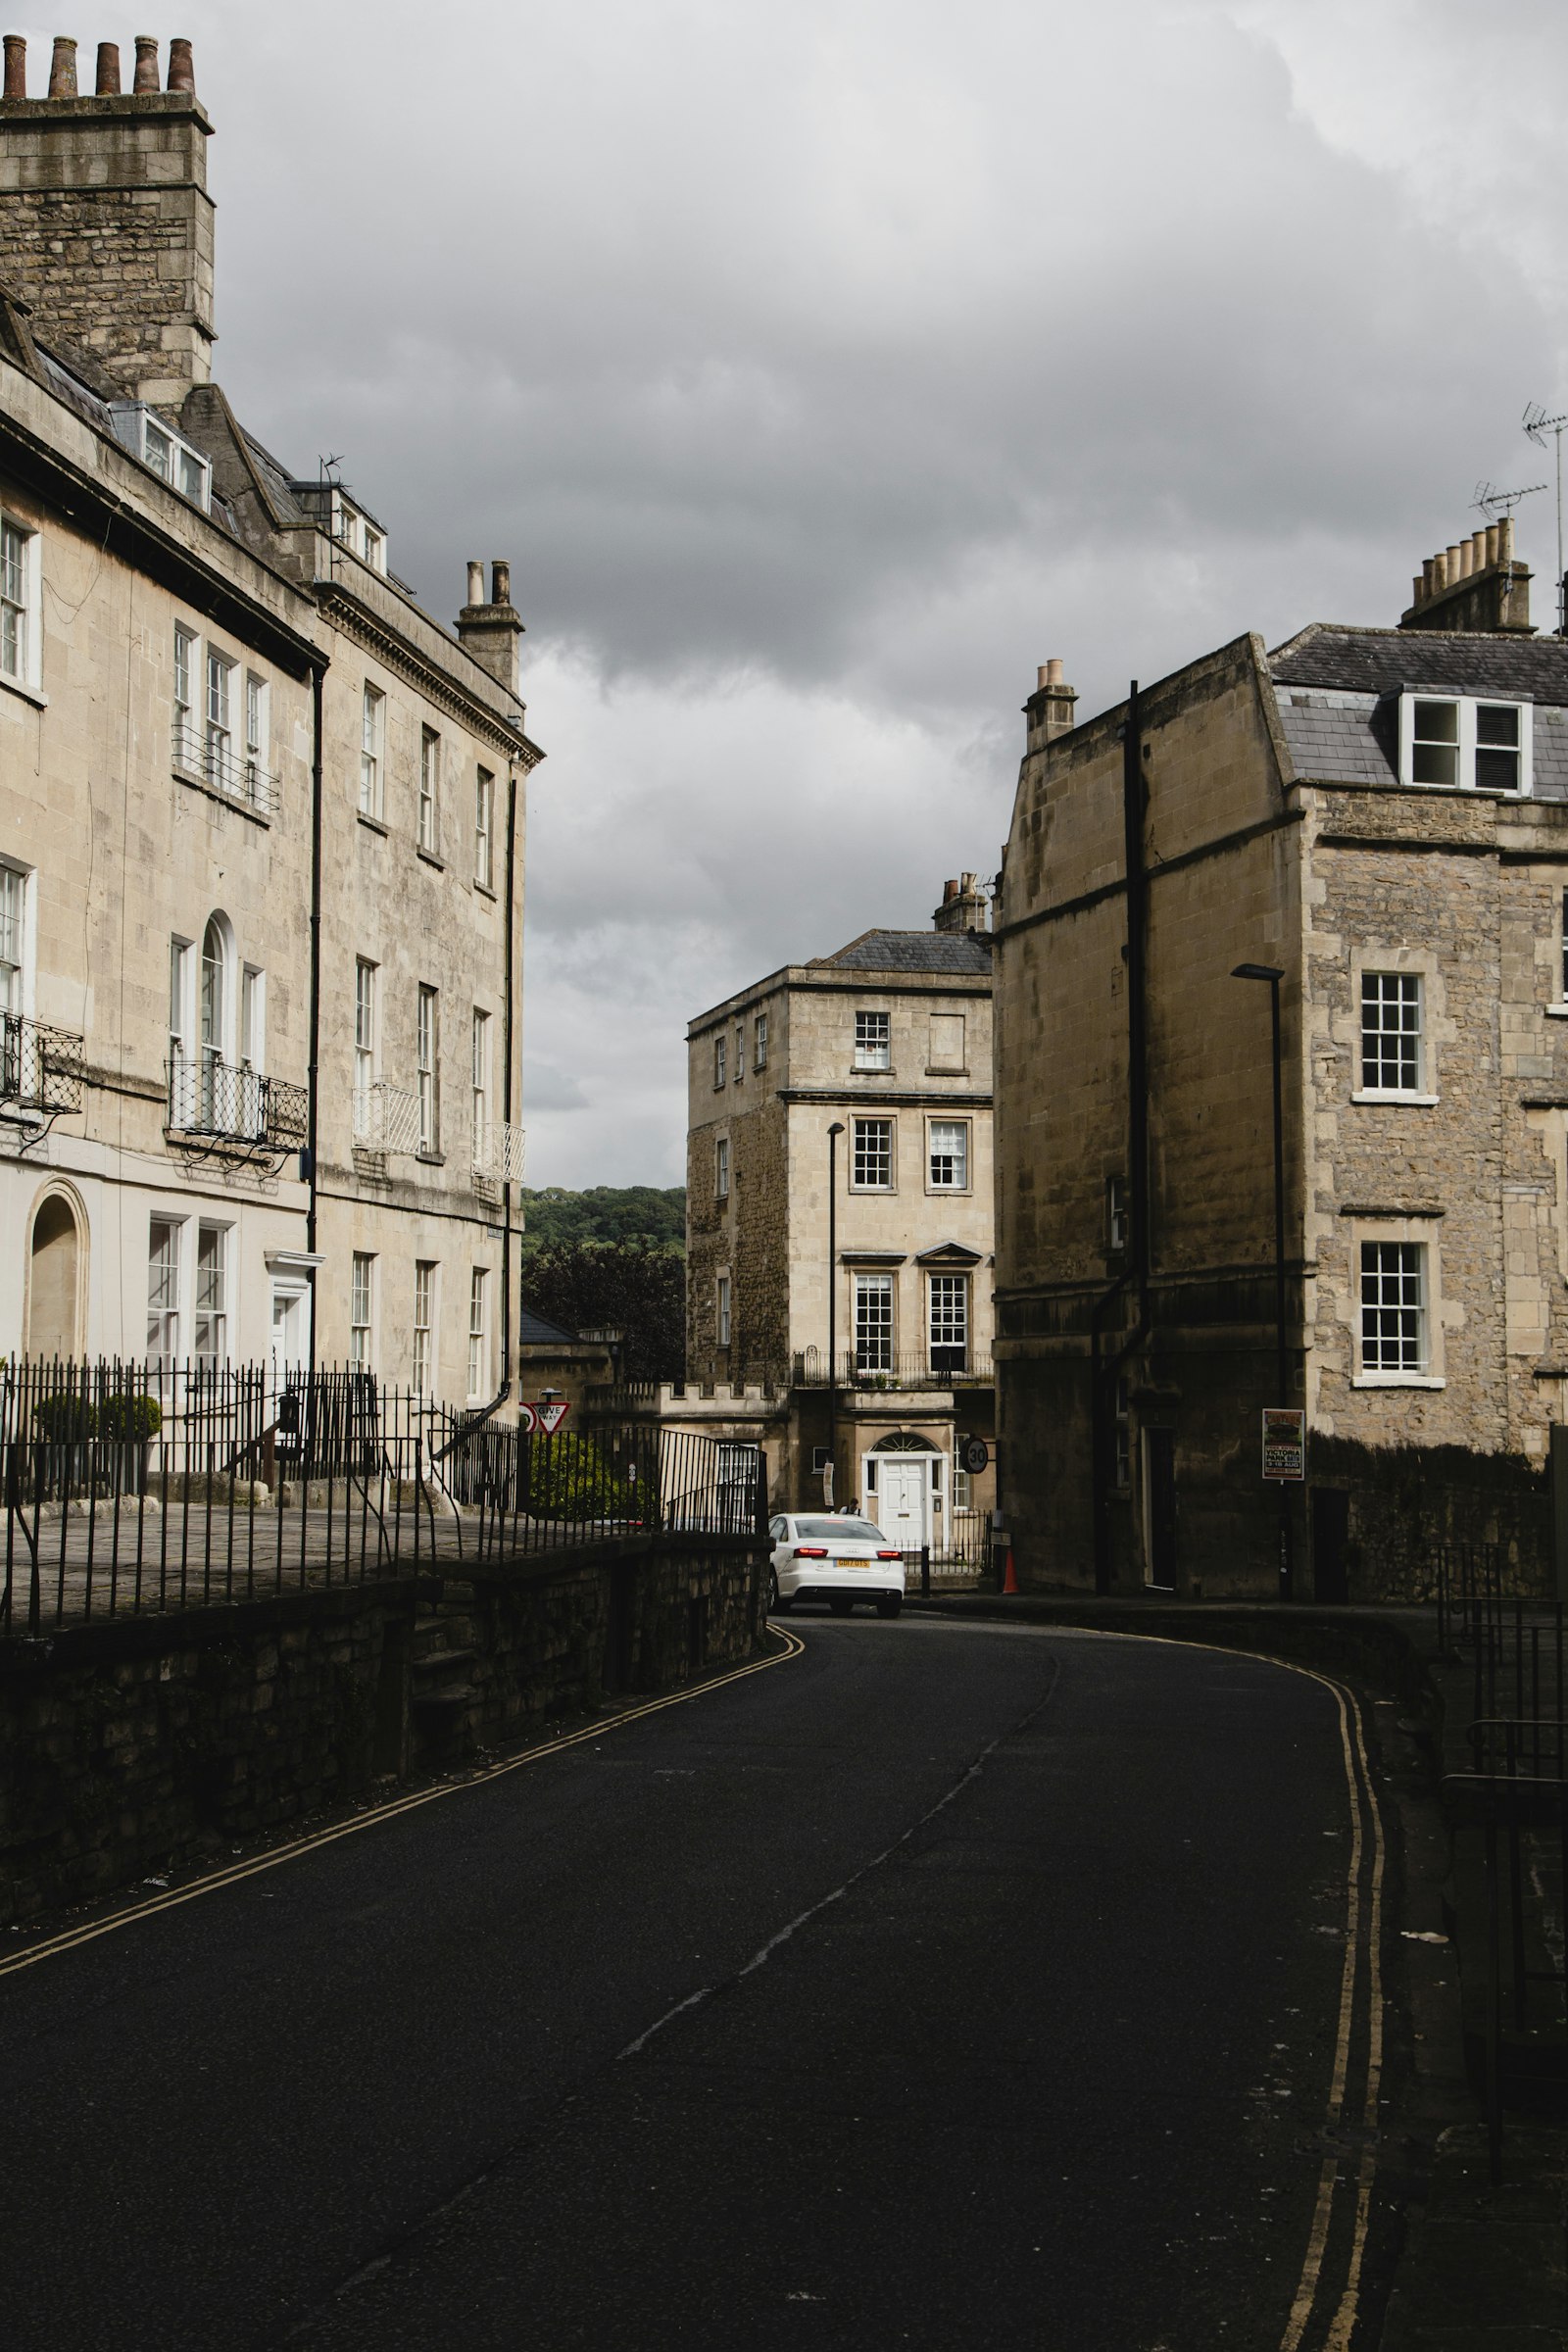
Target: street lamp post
[833,1134]
[1282,1370]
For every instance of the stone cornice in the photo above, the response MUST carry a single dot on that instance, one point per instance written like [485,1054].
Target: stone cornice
[347,612]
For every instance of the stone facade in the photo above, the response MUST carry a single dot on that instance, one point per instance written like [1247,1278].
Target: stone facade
[1407,887]
[261,830]
[894,1030]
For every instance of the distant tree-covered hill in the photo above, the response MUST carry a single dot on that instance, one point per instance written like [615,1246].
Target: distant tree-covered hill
[605,1213]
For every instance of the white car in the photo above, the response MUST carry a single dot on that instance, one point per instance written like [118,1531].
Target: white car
[842,1558]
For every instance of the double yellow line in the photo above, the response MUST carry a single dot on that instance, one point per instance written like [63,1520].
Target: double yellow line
[373,1815]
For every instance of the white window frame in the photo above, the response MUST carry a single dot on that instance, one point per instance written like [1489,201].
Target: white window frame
[721,1305]
[1117,1222]
[428,831]
[210,1314]
[367,1039]
[21,603]
[426,1270]
[16,945]
[485,828]
[740,1053]
[873,1316]
[362,1310]
[372,752]
[479,1083]
[252,1039]
[874,1039]
[163,1286]
[180,1002]
[164,451]
[963,1182]
[427,1065]
[478,1334]
[1405,1341]
[721,1169]
[949,1287]
[257,732]
[860,1156]
[1406,977]
[1466,707]
[759,1042]
[188,670]
[719,1045]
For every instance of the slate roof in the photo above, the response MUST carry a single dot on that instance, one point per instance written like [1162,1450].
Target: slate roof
[533,1331]
[913,951]
[1338,692]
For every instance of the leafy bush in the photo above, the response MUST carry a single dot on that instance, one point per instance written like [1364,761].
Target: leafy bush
[569,1478]
[129,1420]
[64,1417]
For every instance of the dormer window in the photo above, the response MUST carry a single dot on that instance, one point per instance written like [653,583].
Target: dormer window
[1464,744]
[171,456]
[356,532]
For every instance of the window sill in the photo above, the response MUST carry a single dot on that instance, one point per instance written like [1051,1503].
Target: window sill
[429,857]
[1469,791]
[371,824]
[1378,1093]
[948,1191]
[431,1159]
[944,1069]
[484,890]
[1397,1380]
[25,693]
[885,1190]
[1556,1012]
[873,1070]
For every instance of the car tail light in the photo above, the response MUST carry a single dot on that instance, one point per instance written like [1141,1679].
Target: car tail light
[890,1556]
[811,1552]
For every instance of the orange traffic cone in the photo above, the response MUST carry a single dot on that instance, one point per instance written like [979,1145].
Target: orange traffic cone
[1010,1580]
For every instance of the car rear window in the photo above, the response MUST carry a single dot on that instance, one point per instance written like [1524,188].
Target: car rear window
[839,1530]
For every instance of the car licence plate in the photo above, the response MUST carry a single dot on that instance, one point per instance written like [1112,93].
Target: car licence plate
[853,1563]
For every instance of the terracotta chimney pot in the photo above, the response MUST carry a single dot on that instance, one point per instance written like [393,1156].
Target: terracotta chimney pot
[1505,540]
[501,583]
[1491,543]
[146,76]
[1478,541]
[181,71]
[476,583]
[107,83]
[1418,589]
[1051,675]
[63,68]
[16,65]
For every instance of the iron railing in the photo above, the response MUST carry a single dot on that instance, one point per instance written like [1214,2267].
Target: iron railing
[215,1103]
[207,757]
[932,1368]
[41,1069]
[499,1153]
[131,1488]
[386,1119]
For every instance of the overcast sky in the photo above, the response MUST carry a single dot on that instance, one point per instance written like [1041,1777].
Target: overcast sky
[822,370]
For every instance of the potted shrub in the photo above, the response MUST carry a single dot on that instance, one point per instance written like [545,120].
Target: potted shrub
[65,1421]
[128,1423]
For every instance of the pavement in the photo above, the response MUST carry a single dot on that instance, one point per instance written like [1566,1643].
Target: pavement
[938,1986]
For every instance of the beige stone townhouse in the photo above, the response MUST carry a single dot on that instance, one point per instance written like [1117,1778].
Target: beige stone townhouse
[1374,822]
[261,823]
[872,1067]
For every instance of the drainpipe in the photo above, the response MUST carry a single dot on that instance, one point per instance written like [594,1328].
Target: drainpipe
[1103,1375]
[313,1075]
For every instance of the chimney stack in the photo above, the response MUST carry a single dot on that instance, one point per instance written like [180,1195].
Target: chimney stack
[1048,712]
[963,908]
[1475,587]
[117,180]
[493,632]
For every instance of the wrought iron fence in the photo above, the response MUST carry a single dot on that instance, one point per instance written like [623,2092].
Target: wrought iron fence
[41,1068]
[209,757]
[223,1103]
[128,1487]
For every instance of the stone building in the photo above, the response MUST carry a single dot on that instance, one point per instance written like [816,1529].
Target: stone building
[875,1060]
[260,822]
[1379,818]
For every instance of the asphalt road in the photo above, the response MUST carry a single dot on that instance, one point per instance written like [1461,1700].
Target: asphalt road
[936,1988]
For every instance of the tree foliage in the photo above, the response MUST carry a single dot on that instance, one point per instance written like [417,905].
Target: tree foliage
[632,1287]
[605,1213]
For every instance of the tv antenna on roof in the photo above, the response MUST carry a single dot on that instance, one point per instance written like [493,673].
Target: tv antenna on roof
[1537,424]
[1494,502]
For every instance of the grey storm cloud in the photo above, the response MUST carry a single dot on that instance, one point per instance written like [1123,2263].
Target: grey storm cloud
[822,371]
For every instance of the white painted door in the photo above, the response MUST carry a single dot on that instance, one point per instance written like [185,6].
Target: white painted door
[290,1306]
[903,1498]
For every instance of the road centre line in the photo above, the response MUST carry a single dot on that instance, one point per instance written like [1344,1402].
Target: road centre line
[68,1941]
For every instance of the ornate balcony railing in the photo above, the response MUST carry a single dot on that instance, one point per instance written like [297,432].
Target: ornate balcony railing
[386,1119]
[218,1104]
[41,1069]
[941,1368]
[211,758]
[498,1151]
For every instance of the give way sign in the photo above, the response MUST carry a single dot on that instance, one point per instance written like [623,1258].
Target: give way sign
[543,1420]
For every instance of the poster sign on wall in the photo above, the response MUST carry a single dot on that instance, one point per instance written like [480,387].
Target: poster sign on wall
[1284,1442]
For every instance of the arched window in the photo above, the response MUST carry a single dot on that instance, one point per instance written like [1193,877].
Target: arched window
[215,1020]
[904,1441]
